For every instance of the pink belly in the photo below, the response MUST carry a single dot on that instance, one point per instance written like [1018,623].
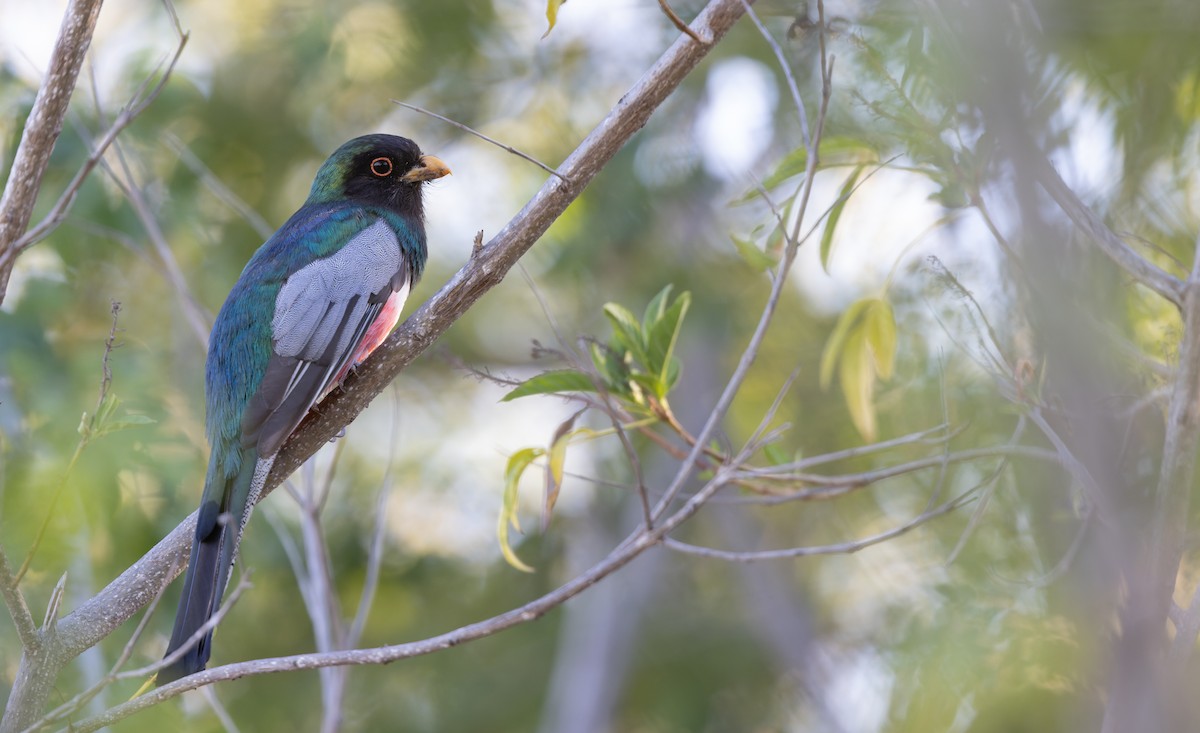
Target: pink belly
[376,332]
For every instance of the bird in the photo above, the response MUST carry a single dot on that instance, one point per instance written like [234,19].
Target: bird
[316,299]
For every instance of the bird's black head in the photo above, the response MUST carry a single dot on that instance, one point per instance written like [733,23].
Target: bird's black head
[381,170]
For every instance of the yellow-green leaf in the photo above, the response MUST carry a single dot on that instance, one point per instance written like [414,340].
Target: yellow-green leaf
[517,463]
[557,380]
[835,213]
[837,340]
[556,457]
[879,323]
[857,377]
[552,7]
[750,252]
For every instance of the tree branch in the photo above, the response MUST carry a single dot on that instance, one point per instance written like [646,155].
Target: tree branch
[1138,267]
[17,608]
[1179,461]
[42,128]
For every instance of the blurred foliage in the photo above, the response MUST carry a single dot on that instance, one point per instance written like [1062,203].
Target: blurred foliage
[997,640]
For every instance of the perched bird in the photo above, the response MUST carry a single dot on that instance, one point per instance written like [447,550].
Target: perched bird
[320,295]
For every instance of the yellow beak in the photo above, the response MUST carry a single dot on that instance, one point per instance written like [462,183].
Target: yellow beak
[427,168]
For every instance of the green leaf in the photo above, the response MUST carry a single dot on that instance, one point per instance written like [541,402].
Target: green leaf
[672,375]
[656,308]
[517,463]
[835,150]
[775,454]
[879,324]
[612,368]
[758,260]
[106,421]
[857,376]
[627,332]
[557,380]
[792,164]
[837,340]
[835,213]
[124,423]
[662,337]
[552,7]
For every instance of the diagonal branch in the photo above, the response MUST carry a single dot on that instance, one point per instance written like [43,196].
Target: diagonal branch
[17,608]
[1138,267]
[42,128]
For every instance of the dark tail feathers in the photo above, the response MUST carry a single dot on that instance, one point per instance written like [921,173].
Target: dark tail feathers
[208,572]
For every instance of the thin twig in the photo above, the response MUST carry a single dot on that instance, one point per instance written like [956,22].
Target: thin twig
[485,138]
[1139,268]
[988,488]
[87,423]
[785,66]
[195,314]
[830,487]
[841,548]
[218,187]
[366,599]
[678,22]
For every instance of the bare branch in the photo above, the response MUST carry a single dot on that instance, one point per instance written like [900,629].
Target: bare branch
[366,599]
[1169,525]
[1138,267]
[42,129]
[785,66]
[17,608]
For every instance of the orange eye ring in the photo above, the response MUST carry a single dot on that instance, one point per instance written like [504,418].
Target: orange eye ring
[381,167]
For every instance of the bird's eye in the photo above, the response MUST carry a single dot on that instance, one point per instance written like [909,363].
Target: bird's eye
[382,167]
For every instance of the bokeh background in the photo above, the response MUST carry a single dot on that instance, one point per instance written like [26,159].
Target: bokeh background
[995,617]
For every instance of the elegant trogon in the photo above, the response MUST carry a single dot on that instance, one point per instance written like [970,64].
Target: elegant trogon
[314,300]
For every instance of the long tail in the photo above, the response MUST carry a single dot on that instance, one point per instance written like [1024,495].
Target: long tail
[224,510]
